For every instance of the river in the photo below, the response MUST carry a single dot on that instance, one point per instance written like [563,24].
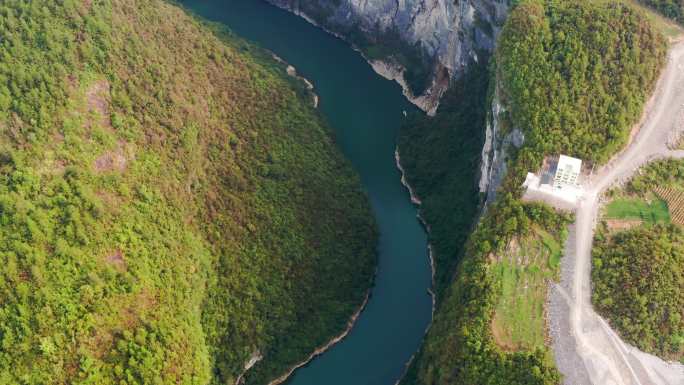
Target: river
[365,112]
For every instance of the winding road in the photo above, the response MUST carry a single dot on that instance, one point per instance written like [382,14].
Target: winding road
[587,350]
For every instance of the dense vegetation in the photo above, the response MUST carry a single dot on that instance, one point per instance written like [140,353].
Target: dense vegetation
[170,202]
[638,274]
[441,156]
[661,173]
[638,278]
[573,75]
[576,74]
[673,9]
[459,348]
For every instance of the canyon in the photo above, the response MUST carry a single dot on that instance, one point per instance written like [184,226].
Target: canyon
[430,41]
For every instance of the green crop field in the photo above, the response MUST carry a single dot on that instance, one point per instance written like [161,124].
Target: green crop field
[633,208]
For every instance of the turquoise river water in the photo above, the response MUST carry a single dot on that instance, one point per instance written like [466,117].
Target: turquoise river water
[365,111]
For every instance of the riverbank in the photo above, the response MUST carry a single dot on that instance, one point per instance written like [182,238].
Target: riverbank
[365,112]
[208,169]
[439,159]
[428,102]
[322,349]
[292,72]
[416,201]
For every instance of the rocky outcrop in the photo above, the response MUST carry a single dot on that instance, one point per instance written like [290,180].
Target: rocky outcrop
[253,360]
[498,143]
[292,72]
[420,43]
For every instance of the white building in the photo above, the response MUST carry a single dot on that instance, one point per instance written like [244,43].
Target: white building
[567,172]
[556,186]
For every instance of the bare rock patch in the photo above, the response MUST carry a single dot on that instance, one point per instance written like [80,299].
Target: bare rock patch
[97,98]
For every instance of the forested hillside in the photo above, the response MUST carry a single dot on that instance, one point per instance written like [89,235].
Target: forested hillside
[171,204]
[573,76]
[440,157]
[576,74]
[638,277]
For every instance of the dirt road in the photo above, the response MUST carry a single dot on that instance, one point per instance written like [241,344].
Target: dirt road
[587,350]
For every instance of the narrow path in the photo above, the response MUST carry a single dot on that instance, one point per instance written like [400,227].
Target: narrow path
[592,351]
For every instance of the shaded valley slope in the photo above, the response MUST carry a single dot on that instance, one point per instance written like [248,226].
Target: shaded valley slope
[172,206]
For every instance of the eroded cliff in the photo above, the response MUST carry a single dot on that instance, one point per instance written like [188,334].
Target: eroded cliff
[422,44]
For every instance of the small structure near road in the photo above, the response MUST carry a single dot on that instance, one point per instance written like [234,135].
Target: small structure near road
[559,182]
[567,172]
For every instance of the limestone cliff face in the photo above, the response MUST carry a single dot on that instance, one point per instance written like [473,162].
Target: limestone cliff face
[419,43]
[498,144]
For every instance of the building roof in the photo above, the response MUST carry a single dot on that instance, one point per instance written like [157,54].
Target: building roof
[565,162]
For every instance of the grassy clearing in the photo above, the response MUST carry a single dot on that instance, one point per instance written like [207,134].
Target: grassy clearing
[524,272]
[555,251]
[652,212]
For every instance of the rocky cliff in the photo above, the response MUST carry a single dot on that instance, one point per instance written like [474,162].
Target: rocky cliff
[499,142]
[422,44]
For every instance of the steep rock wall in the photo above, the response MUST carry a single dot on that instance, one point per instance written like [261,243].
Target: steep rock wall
[421,44]
[499,141]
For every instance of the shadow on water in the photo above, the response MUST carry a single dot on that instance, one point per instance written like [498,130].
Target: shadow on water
[365,111]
